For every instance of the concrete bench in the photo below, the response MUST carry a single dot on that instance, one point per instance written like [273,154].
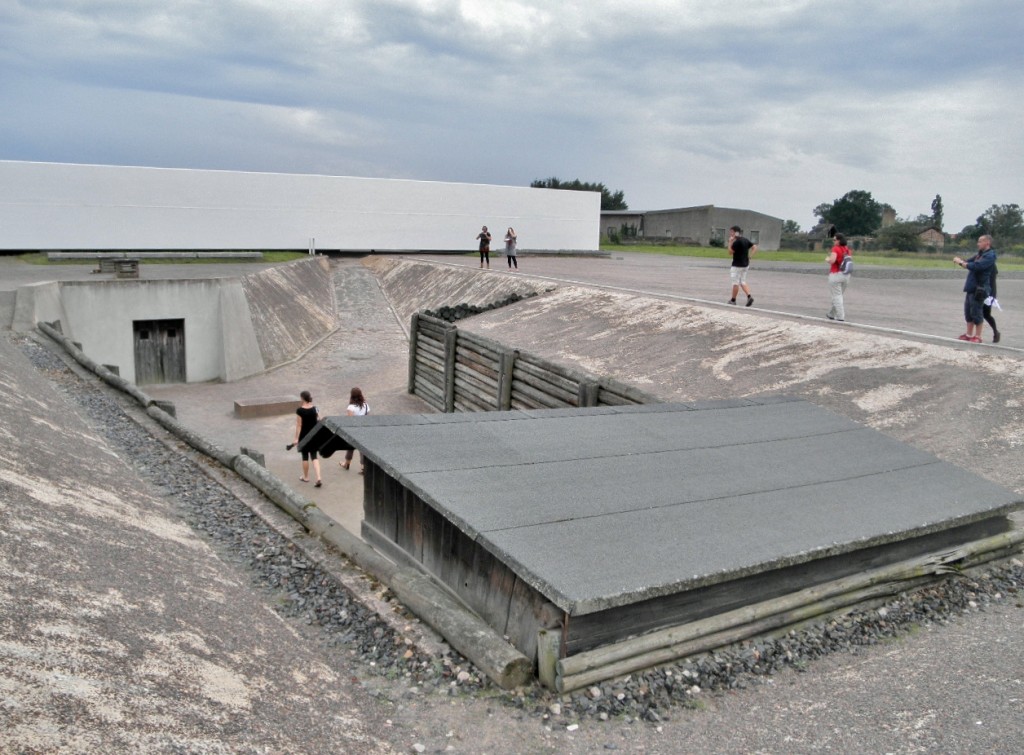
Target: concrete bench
[249,408]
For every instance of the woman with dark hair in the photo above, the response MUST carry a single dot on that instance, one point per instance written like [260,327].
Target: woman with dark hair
[357,407]
[484,237]
[306,418]
[837,280]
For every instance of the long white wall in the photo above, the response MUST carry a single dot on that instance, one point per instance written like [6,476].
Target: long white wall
[47,206]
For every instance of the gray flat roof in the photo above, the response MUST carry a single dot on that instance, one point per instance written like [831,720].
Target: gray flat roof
[603,507]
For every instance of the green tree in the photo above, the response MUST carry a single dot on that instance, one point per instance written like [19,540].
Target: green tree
[1004,222]
[937,211]
[901,236]
[856,213]
[790,226]
[609,200]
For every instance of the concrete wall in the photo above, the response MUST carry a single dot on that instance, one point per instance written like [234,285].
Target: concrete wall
[100,317]
[50,206]
[291,306]
[234,327]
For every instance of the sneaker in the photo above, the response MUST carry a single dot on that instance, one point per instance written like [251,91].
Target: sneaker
[964,337]
[829,316]
[732,301]
[750,300]
[995,337]
[974,339]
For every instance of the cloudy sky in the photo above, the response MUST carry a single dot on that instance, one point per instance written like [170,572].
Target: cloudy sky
[772,105]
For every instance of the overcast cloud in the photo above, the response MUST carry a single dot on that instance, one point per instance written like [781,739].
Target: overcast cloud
[775,105]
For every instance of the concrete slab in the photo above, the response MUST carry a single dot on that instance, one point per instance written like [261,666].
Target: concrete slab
[246,408]
[604,508]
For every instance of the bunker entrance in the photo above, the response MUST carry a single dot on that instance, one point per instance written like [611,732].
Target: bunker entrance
[159,351]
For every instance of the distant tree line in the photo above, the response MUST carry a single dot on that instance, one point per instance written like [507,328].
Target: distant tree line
[609,200]
[858,213]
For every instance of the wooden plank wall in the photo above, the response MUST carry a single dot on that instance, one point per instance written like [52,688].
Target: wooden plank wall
[480,579]
[454,371]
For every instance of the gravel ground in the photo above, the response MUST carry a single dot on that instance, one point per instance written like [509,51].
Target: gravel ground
[444,704]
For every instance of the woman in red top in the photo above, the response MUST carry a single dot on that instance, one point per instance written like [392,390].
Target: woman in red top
[837,281]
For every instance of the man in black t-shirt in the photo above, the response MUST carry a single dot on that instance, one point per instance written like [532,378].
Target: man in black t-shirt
[741,250]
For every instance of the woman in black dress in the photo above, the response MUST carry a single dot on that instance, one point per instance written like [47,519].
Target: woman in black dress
[306,418]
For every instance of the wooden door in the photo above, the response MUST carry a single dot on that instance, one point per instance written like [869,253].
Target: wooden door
[159,351]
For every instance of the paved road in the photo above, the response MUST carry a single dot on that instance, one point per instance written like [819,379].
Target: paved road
[924,304]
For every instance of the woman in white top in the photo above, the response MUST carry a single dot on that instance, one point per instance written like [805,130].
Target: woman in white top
[357,407]
[510,248]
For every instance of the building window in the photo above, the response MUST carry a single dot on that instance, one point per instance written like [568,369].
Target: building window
[755,237]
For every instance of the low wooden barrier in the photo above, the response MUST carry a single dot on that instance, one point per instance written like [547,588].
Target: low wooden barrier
[772,617]
[454,371]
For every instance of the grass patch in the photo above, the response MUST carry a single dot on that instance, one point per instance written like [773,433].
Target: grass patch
[879,258]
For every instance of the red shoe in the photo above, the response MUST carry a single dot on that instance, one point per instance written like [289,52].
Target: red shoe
[964,337]
[974,339]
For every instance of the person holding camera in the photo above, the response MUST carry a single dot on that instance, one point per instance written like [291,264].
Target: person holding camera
[977,287]
[484,237]
[510,247]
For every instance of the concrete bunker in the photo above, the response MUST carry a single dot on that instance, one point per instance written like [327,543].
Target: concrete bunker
[596,538]
[157,330]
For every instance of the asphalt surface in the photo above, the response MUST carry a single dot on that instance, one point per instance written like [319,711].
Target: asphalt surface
[99,576]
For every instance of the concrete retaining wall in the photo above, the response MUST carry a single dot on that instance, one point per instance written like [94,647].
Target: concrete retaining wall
[411,286]
[234,327]
[292,307]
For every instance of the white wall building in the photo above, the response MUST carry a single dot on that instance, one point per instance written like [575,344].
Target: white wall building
[55,206]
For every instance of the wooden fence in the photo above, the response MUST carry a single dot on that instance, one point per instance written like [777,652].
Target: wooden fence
[454,371]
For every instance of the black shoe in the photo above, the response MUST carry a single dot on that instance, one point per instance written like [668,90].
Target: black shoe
[750,300]
[995,337]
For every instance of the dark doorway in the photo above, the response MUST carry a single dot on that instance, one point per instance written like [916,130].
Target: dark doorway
[159,351]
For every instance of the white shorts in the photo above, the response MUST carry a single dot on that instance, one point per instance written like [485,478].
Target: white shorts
[738,275]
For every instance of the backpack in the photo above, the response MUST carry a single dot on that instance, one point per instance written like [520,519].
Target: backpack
[846,265]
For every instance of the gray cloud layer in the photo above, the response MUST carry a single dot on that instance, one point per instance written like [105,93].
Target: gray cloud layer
[777,106]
